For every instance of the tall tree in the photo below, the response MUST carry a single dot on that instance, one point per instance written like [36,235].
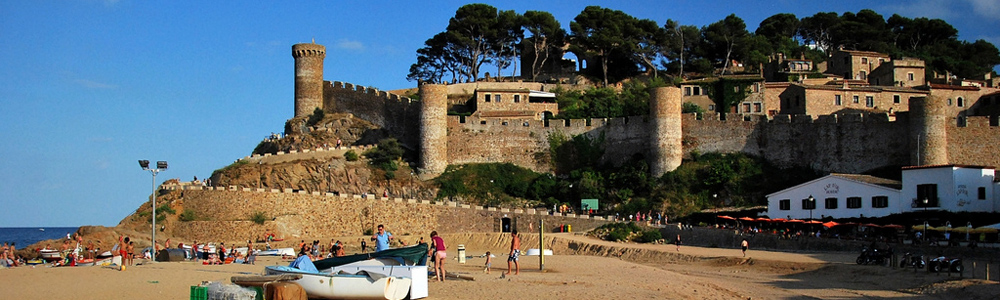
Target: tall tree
[818,29]
[435,59]
[780,30]
[723,37]
[650,40]
[601,32]
[913,34]
[546,34]
[470,30]
[505,37]
[681,42]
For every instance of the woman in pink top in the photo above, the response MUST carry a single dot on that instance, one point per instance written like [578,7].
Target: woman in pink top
[438,250]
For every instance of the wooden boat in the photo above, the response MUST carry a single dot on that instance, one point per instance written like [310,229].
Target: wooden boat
[277,252]
[346,286]
[407,262]
[50,254]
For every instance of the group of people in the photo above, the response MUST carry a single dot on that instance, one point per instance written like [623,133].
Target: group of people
[8,258]
[316,250]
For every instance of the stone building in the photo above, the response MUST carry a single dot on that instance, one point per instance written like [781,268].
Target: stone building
[844,98]
[515,104]
[855,64]
[904,72]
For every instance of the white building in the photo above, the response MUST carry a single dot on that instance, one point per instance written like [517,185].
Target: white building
[837,196]
[957,188]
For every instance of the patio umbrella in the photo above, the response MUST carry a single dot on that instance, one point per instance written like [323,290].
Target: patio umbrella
[763,220]
[984,230]
[726,217]
[814,222]
[830,224]
[779,220]
[871,225]
[894,226]
[746,219]
[923,227]
[796,221]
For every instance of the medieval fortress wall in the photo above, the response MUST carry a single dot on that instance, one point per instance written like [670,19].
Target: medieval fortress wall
[848,143]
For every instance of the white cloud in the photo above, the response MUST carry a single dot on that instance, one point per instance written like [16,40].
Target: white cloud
[350,45]
[94,84]
[986,8]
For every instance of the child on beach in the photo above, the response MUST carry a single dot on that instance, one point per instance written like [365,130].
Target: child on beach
[489,261]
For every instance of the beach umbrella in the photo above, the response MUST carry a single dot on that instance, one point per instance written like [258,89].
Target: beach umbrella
[984,230]
[726,217]
[830,224]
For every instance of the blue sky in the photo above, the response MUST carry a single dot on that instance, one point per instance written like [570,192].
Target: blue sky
[89,87]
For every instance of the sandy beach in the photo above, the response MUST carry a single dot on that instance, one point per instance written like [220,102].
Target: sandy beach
[583,268]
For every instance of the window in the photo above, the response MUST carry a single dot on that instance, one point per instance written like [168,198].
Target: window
[746,107]
[895,99]
[810,205]
[785,204]
[928,192]
[496,98]
[697,90]
[880,202]
[487,98]
[757,108]
[517,98]
[869,101]
[837,100]
[853,202]
[831,203]
[862,75]
[909,76]
[711,107]
[856,98]
[961,102]
[687,91]
[949,101]
[864,60]
[981,193]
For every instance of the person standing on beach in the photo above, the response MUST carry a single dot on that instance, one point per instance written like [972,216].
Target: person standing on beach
[382,239]
[678,242]
[515,252]
[438,250]
[744,245]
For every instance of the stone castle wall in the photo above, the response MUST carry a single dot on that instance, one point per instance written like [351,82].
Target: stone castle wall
[977,143]
[396,114]
[300,214]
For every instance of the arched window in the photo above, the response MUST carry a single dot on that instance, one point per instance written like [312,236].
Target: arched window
[961,102]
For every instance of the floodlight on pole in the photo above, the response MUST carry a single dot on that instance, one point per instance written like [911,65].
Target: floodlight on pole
[160,166]
[812,206]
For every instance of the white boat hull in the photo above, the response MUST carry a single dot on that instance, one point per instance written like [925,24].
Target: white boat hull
[277,252]
[343,286]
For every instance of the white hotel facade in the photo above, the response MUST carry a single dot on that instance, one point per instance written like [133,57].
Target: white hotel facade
[956,188]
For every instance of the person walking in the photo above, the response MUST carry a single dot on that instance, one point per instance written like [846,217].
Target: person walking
[744,245]
[678,242]
[515,252]
[437,249]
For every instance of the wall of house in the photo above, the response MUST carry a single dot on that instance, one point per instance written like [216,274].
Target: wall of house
[840,189]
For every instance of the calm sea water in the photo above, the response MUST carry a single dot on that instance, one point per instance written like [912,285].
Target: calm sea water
[24,237]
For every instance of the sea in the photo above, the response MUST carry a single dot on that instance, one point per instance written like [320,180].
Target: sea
[23,237]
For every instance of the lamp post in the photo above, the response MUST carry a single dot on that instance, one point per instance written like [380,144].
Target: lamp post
[925,201]
[812,206]
[160,166]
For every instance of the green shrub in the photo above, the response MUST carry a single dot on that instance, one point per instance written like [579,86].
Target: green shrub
[368,231]
[259,217]
[316,117]
[350,155]
[188,215]
[650,236]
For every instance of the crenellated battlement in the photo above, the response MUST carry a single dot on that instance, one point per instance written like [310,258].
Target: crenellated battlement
[369,91]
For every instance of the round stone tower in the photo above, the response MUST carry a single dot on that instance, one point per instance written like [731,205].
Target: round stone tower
[665,147]
[433,130]
[928,131]
[308,77]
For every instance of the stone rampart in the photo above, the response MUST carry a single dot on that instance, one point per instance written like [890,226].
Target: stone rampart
[396,114]
[524,141]
[975,143]
[357,148]
[301,214]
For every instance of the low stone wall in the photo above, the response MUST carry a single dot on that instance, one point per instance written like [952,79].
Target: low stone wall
[312,215]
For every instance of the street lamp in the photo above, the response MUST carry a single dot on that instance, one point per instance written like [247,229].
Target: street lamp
[812,206]
[925,216]
[160,166]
